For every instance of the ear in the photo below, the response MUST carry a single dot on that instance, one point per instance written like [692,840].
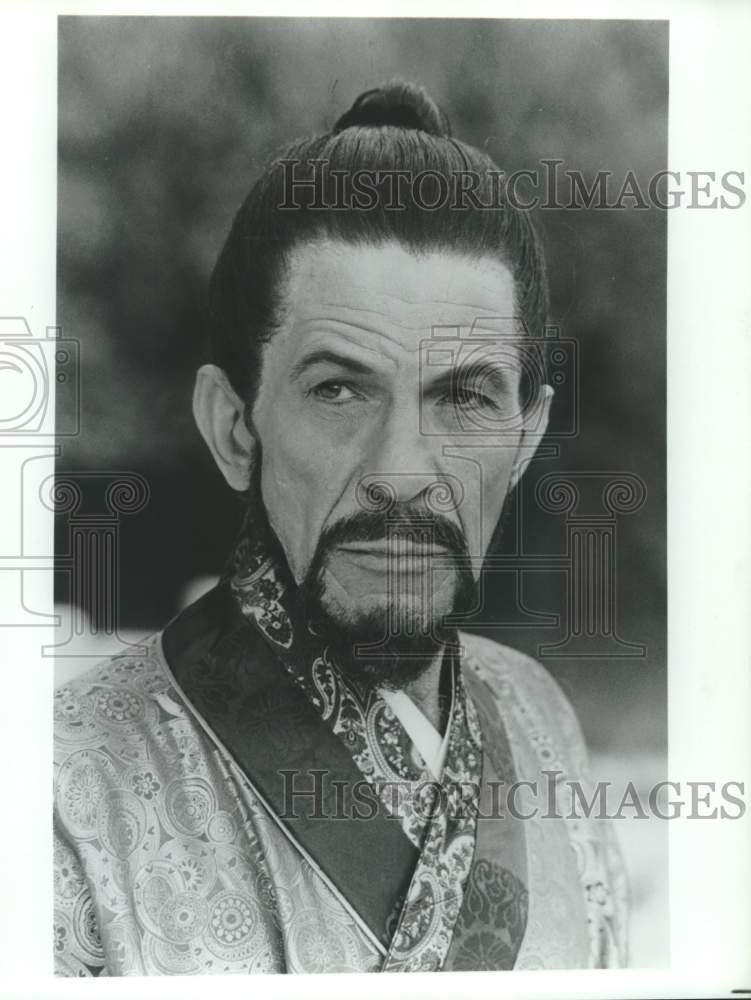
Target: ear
[219,414]
[533,429]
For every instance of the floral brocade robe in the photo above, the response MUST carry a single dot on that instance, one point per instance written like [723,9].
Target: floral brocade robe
[225,802]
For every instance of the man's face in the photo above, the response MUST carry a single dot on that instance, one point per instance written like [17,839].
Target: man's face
[360,401]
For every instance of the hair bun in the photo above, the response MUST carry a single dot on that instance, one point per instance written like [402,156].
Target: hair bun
[399,104]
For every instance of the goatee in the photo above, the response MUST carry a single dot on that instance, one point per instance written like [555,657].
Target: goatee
[393,643]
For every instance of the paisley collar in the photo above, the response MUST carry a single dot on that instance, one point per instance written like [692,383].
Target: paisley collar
[268,597]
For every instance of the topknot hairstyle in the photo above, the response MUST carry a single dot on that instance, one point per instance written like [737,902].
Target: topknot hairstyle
[395,130]
[401,104]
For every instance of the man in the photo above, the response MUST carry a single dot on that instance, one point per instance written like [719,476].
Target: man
[311,768]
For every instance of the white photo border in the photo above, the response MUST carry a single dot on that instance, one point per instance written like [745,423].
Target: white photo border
[709,527]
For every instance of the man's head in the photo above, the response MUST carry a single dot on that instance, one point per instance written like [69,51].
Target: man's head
[373,377]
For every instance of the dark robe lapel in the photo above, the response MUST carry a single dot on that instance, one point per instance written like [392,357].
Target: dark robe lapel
[493,917]
[466,908]
[232,676]
[428,920]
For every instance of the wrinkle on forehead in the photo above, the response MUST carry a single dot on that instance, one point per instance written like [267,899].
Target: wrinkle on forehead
[349,289]
[489,274]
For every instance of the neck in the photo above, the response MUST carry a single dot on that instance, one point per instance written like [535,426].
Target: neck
[425,691]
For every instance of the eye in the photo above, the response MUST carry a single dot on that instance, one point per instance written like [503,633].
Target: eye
[334,392]
[465,397]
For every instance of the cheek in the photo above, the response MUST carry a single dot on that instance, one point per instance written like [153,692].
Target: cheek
[486,486]
[496,490]
[289,486]
[300,482]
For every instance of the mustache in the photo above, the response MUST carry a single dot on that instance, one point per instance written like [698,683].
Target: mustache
[402,521]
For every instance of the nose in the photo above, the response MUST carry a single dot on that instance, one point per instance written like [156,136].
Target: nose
[403,466]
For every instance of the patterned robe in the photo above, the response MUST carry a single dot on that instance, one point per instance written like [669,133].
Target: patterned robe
[226,801]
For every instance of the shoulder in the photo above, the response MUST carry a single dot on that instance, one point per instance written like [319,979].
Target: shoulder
[502,667]
[113,701]
[122,732]
[525,691]
[132,672]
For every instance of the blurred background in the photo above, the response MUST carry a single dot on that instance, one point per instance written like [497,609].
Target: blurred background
[164,123]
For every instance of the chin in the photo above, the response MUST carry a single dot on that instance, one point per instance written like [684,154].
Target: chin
[377,643]
[403,614]
[383,616]
[371,652]
[383,639]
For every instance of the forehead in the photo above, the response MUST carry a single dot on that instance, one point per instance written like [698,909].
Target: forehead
[386,300]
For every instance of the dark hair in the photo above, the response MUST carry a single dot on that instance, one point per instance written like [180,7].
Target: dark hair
[395,127]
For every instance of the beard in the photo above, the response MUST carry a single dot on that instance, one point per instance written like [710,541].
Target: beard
[391,639]
[390,642]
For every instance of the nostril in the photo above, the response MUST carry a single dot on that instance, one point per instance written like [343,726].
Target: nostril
[444,494]
[376,495]
[427,493]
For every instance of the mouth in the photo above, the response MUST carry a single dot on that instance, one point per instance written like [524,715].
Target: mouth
[393,550]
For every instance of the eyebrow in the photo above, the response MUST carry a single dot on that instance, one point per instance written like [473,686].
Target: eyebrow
[331,357]
[446,380]
[468,373]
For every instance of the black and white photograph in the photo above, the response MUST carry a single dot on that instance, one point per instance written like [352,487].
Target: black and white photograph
[362,612]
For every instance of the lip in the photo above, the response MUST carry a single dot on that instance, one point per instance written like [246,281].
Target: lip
[403,550]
